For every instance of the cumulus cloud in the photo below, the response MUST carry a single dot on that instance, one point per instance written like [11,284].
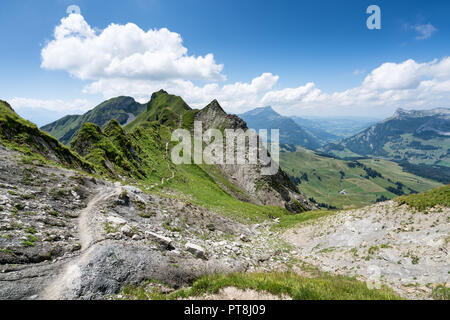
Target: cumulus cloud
[391,85]
[305,93]
[126,60]
[124,51]
[234,97]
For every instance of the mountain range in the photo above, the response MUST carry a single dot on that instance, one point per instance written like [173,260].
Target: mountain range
[418,137]
[123,109]
[290,132]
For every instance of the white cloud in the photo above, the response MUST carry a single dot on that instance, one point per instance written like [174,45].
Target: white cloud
[124,51]
[391,85]
[305,93]
[234,97]
[395,76]
[424,31]
[126,60]
[51,105]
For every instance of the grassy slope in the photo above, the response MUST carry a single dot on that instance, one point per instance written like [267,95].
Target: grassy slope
[321,287]
[163,108]
[116,108]
[325,182]
[429,199]
[404,149]
[21,135]
[201,185]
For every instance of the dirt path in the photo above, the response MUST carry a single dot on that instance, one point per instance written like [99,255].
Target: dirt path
[70,278]
[165,180]
[87,237]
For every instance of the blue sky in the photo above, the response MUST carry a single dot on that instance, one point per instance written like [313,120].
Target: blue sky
[301,57]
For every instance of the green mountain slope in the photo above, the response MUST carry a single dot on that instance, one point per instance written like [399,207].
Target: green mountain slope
[22,135]
[140,154]
[165,109]
[364,181]
[122,109]
[290,132]
[430,199]
[418,137]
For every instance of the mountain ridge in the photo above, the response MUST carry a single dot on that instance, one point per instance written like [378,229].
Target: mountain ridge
[416,136]
[123,109]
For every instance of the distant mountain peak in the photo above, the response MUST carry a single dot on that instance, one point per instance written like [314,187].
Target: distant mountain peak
[268,111]
[290,132]
[421,113]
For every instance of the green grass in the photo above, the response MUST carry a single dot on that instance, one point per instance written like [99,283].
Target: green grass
[441,292]
[163,108]
[202,185]
[326,177]
[204,191]
[427,200]
[324,287]
[401,149]
[117,108]
[289,221]
[23,136]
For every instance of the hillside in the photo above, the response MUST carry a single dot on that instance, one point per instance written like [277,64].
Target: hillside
[364,181]
[290,132]
[67,234]
[122,109]
[403,243]
[418,137]
[21,135]
[141,153]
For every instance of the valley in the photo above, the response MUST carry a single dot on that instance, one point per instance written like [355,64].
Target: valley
[346,184]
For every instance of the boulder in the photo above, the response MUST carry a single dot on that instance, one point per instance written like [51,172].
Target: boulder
[196,250]
[163,241]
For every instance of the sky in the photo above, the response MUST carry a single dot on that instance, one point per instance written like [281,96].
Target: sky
[304,58]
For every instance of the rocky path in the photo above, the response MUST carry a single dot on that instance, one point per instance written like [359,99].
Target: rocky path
[70,279]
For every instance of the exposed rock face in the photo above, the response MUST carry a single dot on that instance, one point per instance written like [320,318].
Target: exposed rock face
[64,235]
[384,243]
[275,190]
[213,116]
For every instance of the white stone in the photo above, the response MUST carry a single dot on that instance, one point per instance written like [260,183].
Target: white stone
[116,220]
[196,250]
[165,241]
